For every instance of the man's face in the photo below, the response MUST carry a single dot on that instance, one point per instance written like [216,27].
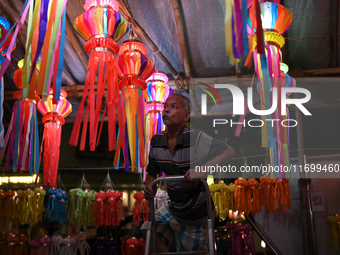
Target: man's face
[174,113]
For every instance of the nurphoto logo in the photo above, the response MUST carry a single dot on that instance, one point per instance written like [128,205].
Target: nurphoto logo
[239,106]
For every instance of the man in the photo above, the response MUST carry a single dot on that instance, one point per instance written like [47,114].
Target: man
[181,225]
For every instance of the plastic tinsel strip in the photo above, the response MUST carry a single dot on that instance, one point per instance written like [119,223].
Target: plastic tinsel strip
[2,129]
[51,143]
[52,35]
[34,45]
[11,45]
[242,117]
[133,105]
[109,79]
[228,31]
[22,138]
[61,60]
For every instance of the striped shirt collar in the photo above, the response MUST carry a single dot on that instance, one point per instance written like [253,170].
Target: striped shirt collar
[179,141]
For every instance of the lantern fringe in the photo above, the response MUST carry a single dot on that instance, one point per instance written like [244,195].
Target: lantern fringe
[56,206]
[133,118]
[108,207]
[80,207]
[98,61]
[2,128]
[22,138]
[51,144]
[140,209]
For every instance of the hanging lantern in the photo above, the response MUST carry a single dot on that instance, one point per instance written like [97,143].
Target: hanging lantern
[4,28]
[267,43]
[276,19]
[155,95]
[101,26]
[22,137]
[134,67]
[53,120]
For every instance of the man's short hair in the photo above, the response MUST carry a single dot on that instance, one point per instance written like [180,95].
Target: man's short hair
[186,101]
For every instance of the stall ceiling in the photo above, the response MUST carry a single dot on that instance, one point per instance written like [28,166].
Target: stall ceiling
[311,41]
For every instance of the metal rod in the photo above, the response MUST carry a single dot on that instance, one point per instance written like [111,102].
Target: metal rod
[311,221]
[335,32]
[262,234]
[303,182]
[152,212]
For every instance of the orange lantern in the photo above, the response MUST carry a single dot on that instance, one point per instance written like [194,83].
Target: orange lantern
[134,67]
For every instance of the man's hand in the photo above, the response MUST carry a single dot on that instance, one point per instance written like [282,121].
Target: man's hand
[149,193]
[188,178]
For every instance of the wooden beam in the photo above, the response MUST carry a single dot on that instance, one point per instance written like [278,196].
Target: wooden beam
[181,38]
[140,31]
[335,32]
[326,71]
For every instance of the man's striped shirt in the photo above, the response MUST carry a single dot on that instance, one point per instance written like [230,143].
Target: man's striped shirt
[187,199]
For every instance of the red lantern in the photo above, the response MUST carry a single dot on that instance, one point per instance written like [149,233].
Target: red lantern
[101,26]
[131,247]
[53,119]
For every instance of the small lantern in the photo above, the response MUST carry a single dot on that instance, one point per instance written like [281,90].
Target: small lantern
[155,95]
[53,120]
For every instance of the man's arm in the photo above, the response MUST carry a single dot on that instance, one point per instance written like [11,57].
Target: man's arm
[149,193]
[221,159]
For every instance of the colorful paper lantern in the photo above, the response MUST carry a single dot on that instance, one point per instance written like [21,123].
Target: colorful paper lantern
[134,67]
[22,137]
[53,119]
[275,20]
[101,26]
[15,78]
[155,95]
